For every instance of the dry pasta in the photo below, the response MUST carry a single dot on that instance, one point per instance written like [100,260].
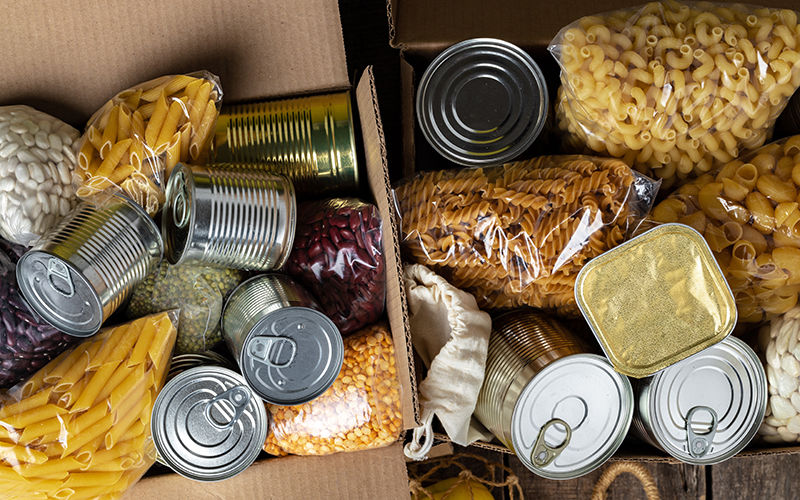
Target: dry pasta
[136,138]
[518,234]
[749,213]
[676,88]
[96,443]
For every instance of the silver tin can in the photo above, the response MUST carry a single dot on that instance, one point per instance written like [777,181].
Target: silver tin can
[242,219]
[310,140]
[87,265]
[482,102]
[562,411]
[182,362]
[706,408]
[207,425]
[288,351]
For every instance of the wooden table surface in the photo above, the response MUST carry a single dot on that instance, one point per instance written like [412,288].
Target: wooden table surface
[770,477]
[366,39]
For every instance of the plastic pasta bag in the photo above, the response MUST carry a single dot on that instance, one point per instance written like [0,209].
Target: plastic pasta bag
[676,88]
[26,341]
[360,411]
[518,234]
[748,213]
[135,139]
[338,255]
[37,161]
[80,427]
[199,291]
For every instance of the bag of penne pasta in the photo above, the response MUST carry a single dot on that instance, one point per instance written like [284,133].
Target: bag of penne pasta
[80,426]
[749,214]
[676,88]
[518,234]
[135,139]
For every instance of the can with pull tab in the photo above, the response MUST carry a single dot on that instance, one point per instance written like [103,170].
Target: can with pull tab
[705,409]
[289,352]
[560,409]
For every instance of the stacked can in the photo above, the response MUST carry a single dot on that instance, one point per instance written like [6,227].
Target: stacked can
[242,219]
[85,268]
[706,408]
[310,140]
[288,351]
[562,411]
[207,424]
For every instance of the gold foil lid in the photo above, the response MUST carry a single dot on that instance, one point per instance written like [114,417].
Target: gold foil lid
[656,300]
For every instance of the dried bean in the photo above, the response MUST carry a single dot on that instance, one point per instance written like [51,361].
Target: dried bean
[338,255]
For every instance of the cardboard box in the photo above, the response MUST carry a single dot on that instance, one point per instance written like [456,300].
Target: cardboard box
[68,58]
[420,30]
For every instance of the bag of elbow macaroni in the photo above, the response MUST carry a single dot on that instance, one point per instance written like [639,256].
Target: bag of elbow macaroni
[135,139]
[676,88]
[80,427]
[749,214]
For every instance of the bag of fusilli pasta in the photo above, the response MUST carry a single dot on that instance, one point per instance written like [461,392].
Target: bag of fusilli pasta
[676,88]
[519,233]
[748,212]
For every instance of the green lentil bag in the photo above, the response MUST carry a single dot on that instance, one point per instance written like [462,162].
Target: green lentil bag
[199,291]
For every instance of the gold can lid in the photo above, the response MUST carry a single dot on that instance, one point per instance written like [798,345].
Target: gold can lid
[656,300]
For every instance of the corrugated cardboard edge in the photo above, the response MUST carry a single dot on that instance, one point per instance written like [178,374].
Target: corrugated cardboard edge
[368,475]
[396,304]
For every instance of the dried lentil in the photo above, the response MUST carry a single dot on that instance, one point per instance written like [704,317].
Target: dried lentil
[357,412]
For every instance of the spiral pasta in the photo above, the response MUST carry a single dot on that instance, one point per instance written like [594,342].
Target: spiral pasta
[676,88]
[749,213]
[518,234]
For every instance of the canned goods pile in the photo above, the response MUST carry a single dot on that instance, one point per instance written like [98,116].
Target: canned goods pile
[688,94]
[84,422]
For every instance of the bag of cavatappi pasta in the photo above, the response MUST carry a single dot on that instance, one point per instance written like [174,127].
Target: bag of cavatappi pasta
[518,234]
[80,427]
[676,88]
[749,214]
[138,136]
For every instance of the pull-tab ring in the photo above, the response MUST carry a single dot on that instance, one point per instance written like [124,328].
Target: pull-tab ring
[543,454]
[180,208]
[237,396]
[57,269]
[700,444]
[269,350]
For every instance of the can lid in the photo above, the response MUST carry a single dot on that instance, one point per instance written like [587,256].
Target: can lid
[720,392]
[571,417]
[689,304]
[207,424]
[482,101]
[292,356]
[178,214]
[59,293]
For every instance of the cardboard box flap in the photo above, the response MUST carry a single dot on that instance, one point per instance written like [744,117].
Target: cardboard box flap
[378,177]
[64,58]
[364,475]
[432,26]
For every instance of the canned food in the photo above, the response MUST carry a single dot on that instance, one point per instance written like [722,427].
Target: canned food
[561,410]
[182,362]
[310,140]
[656,299]
[482,102]
[289,352]
[87,265]
[207,425]
[242,219]
[706,408]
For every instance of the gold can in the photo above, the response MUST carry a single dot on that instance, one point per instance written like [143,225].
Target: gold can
[310,140]
[561,410]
